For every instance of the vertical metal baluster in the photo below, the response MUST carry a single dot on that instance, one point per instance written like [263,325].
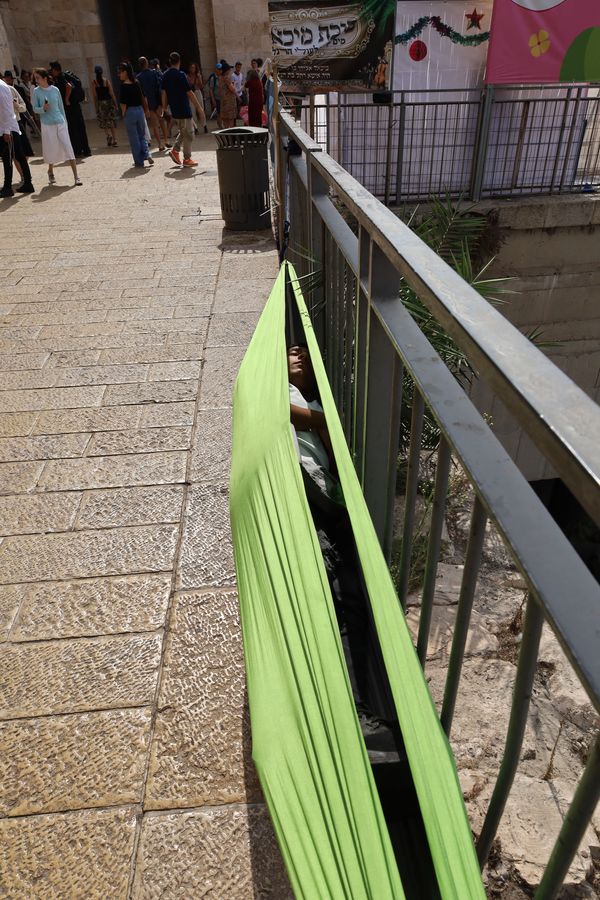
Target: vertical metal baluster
[433,550]
[361,355]
[399,164]
[350,345]
[576,821]
[526,666]
[463,612]
[384,389]
[412,484]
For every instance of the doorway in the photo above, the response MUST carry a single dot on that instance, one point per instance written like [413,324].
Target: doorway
[151,28]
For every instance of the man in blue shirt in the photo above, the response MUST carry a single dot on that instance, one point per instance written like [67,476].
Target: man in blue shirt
[150,81]
[177,94]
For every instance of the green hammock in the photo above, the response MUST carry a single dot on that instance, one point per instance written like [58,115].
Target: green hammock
[307,744]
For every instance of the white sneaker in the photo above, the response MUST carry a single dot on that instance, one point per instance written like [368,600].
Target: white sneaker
[51,179]
[78,182]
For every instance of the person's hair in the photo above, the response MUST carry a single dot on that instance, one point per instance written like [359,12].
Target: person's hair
[43,73]
[55,65]
[174,57]
[238,63]
[196,68]
[259,61]
[98,72]
[253,74]
[127,67]
[143,62]
[252,60]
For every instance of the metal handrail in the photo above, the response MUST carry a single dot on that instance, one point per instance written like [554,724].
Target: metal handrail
[367,334]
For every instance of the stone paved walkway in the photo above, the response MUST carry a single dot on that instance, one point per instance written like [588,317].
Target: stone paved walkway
[124,754]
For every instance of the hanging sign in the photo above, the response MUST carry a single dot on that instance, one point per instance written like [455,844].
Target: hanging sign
[328,47]
[536,41]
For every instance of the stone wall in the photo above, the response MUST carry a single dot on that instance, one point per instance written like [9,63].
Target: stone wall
[46,30]
[241,30]
[33,33]
[549,248]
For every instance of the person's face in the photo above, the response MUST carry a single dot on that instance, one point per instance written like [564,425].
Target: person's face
[9,79]
[238,68]
[300,370]
[254,64]
[122,74]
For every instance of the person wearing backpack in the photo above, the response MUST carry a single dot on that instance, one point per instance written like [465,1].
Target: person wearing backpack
[72,93]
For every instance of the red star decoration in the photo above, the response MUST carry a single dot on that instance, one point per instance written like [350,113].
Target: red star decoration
[474,19]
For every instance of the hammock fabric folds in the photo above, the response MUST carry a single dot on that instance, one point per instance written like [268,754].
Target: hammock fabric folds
[307,744]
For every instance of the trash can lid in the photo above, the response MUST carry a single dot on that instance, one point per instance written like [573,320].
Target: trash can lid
[235,137]
[242,129]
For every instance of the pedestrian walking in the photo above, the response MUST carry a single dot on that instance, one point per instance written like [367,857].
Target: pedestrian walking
[72,93]
[229,106]
[194,77]
[177,94]
[214,80]
[20,109]
[106,106]
[150,79]
[134,107]
[10,145]
[256,98]
[237,77]
[56,143]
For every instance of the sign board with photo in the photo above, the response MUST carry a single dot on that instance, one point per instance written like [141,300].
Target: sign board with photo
[327,46]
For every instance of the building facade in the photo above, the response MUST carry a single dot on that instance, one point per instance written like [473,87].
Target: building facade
[91,32]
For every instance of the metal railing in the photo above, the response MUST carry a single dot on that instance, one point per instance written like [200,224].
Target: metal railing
[373,349]
[499,141]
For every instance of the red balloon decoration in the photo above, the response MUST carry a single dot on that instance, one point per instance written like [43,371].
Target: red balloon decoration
[418,50]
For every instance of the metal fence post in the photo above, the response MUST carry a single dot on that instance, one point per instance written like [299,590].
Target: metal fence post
[481,141]
[314,285]
[400,158]
[384,398]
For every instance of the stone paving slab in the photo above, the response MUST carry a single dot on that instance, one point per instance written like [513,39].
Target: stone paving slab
[125,758]
[214,853]
[81,854]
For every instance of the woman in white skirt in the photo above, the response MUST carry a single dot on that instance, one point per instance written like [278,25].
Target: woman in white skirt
[56,144]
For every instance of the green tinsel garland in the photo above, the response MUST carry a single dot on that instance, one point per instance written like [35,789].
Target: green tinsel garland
[470,40]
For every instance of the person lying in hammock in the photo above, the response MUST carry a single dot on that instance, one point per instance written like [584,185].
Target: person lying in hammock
[326,502]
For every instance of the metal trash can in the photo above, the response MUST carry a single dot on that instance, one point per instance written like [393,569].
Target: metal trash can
[243,169]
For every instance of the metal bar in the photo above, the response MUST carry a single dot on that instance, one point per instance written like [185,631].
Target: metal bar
[520,141]
[433,549]
[388,156]
[410,494]
[576,821]
[526,668]
[384,391]
[463,613]
[361,351]
[481,141]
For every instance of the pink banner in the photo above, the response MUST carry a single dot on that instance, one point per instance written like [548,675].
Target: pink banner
[535,41]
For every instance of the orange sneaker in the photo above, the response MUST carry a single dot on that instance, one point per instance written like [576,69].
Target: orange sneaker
[174,154]
[190,162]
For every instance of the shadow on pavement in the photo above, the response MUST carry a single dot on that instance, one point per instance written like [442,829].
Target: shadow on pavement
[134,171]
[51,191]
[183,174]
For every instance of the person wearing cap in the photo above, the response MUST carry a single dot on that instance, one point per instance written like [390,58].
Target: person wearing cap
[10,145]
[177,94]
[228,96]
[213,84]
